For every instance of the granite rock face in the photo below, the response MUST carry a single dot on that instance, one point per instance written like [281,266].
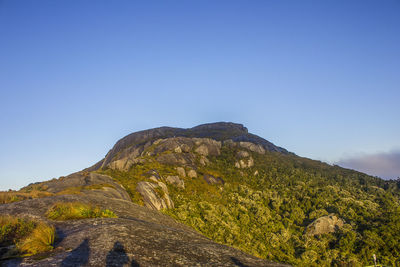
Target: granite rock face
[105,185]
[175,180]
[155,195]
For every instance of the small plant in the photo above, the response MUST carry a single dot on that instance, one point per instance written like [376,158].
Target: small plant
[77,210]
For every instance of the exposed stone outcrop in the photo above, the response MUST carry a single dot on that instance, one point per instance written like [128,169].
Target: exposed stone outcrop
[192,174]
[244,163]
[125,164]
[155,195]
[181,171]
[244,160]
[83,180]
[153,175]
[207,147]
[175,180]
[210,179]
[243,154]
[140,143]
[204,161]
[202,150]
[252,147]
[172,151]
[177,159]
[323,225]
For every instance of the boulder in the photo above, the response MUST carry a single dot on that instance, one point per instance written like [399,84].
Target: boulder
[181,171]
[204,161]
[202,150]
[186,148]
[244,163]
[242,154]
[153,173]
[176,144]
[155,196]
[252,147]
[192,174]
[175,180]
[123,164]
[207,146]
[210,179]
[323,225]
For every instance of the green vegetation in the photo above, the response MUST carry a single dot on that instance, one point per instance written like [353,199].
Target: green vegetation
[77,210]
[266,214]
[25,237]
[130,179]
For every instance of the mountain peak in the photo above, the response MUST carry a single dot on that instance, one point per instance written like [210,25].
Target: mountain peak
[219,131]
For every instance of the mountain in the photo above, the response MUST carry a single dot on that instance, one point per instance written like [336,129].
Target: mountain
[213,195]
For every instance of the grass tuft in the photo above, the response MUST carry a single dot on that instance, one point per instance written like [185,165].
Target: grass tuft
[14,196]
[40,240]
[25,237]
[77,210]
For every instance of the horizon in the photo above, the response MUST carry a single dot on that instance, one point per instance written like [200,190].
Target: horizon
[318,79]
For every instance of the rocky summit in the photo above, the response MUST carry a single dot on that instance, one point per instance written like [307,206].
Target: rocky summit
[211,195]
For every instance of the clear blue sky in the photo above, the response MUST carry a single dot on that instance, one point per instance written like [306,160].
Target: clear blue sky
[320,78]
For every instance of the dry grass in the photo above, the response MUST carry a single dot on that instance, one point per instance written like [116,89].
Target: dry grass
[13,196]
[25,236]
[77,210]
[39,192]
[40,240]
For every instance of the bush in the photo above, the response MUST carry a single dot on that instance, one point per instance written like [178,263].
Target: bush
[77,210]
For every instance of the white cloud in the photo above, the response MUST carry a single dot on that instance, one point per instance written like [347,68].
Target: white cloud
[384,165]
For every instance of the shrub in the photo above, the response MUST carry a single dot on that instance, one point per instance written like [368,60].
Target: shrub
[77,210]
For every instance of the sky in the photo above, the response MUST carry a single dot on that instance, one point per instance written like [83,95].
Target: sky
[319,78]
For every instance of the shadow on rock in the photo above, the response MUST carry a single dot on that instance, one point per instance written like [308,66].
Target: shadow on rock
[237,262]
[117,257]
[78,256]
[11,263]
[134,263]
[60,236]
